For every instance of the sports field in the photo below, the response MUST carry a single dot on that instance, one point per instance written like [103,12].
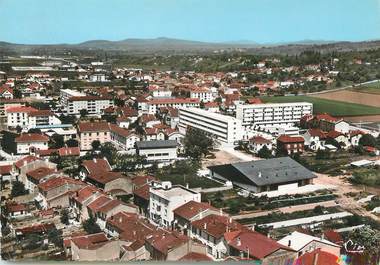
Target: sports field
[333,107]
[373,88]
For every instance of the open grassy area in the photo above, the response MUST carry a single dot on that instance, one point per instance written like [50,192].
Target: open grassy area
[372,88]
[335,108]
[279,217]
[367,176]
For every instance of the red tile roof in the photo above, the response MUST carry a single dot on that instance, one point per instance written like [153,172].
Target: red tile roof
[38,228]
[334,134]
[20,109]
[93,127]
[193,256]
[217,225]
[40,173]
[69,151]
[258,245]
[163,241]
[96,166]
[16,207]
[259,140]
[326,117]
[191,209]
[31,137]
[254,101]
[5,170]
[39,113]
[84,193]
[92,241]
[290,139]
[317,133]
[142,180]
[142,192]
[130,226]
[323,258]
[105,177]
[83,98]
[57,182]
[333,236]
[174,101]
[98,203]
[26,160]
[121,131]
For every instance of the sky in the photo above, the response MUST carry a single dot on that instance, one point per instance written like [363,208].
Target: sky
[261,21]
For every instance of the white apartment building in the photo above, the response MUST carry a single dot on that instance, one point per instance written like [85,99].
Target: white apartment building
[65,94]
[224,128]
[98,78]
[93,104]
[162,93]
[157,150]
[153,105]
[165,198]
[273,114]
[204,95]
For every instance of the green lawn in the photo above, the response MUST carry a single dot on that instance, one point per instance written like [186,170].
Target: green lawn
[335,108]
[373,88]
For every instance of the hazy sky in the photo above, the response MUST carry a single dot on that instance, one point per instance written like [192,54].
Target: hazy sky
[263,21]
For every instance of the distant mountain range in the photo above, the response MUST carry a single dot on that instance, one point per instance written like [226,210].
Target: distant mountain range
[179,45]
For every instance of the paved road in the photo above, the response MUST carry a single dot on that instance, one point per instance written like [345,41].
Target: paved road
[288,209]
[340,88]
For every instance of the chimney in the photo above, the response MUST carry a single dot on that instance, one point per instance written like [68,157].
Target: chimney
[120,219]
[187,185]
[259,174]
[316,256]
[289,243]
[230,220]
[253,227]
[238,241]
[205,226]
[94,159]
[220,211]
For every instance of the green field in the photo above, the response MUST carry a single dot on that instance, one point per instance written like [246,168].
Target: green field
[334,108]
[373,88]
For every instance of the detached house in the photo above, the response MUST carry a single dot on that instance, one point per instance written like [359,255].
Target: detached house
[251,245]
[290,144]
[93,131]
[31,142]
[123,139]
[56,192]
[315,139]
[258,142]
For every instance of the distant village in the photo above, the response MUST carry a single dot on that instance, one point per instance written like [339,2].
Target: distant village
[128,164]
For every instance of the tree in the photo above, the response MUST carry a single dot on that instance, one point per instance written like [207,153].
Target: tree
[17,93]
[128,163]
[72,143]
[56,141]
[367,140]
[109,151]
[34,241]
[322,154]
[55,237]
[65,217]
[90,226]
[264,152]
[18,189]
[95,145]
[83,113]
[34,130]
[368,238]
[333,142]
[197,143]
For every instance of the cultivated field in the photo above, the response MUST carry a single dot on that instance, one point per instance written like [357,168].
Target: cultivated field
[336,107]
[373,88]
[353,97]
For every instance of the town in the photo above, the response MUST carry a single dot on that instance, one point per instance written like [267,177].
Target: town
[226,156]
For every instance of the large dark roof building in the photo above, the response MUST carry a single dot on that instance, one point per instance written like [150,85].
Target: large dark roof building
[264,175]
